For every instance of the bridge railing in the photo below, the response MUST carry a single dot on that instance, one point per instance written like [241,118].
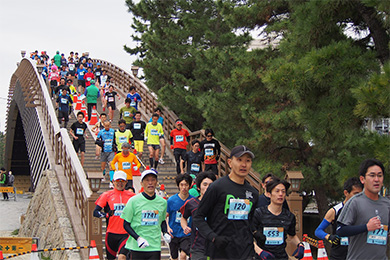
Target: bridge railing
[124,80]
[36,92]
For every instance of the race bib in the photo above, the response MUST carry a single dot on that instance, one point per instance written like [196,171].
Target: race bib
[64,101]
[111,99]
[98,73]
[118,207]
[126,165]
[133,103]
[179,138]
[209,152]
[89,78]
[126,114]
[378,237]
[81,73]
[137,126]
[238,209]
[79,131]
[195,167]
[122,139]
[149,217]
[71,66]
[344,241]
[107,144]
[153,131]
[178,216]
[274,235]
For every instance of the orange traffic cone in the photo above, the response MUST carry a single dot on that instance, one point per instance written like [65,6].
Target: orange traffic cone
[78,103]
[321,251]
[307,253]
[93,253]
[84,110]
[136,171]
[94,118]
[141,190]
[34,253]
[162,187]
[1,255]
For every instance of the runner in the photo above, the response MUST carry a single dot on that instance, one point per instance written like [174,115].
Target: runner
[77,130]
[339,250]
[92,93]
[137,127]
[203,180]
[134,97]
[107,136]
[125,160]
[365,217]
[144,220]
[80,78]
[273,225]
[193,159]
[211,150]
[96,128]
[127,113]
[115,200]
[264,199]
[88,77]
[62,104]
[110,97]
[226,210]
[72,93]
[153,133]
[181,241]
[3,182]
[162,140]
[103,79]
[54,77]
[179,141]
[122,135]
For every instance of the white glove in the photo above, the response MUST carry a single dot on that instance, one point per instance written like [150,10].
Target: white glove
[142,243]
[167,238]
[146,138]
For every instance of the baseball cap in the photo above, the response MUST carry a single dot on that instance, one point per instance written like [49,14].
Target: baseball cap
[148,172]
[98,64]
[240,150]
[120,175]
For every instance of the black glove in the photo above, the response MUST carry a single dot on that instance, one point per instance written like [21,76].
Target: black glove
[110,213]
[265,255]
[300,251]
[221,241]
[334,240]
[99,142]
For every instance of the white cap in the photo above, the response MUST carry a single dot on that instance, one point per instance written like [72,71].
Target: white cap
[147,172]
[120,175]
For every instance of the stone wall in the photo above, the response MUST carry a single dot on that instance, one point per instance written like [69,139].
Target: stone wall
[47,219]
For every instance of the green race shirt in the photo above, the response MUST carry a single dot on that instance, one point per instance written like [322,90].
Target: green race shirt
[126,111]
[145,217]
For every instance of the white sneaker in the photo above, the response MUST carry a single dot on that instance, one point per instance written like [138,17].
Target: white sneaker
[161,161]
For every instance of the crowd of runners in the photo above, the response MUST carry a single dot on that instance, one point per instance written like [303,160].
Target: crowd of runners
[211,217]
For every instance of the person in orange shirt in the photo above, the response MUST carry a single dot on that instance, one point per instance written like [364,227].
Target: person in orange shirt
[179,142]
[115,200]
[124,162]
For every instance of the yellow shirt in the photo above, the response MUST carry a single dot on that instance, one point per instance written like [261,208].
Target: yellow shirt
[124,164]
[153,133]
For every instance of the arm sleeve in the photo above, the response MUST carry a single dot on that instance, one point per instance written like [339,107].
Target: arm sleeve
[130,230]
[320,231]
[164,228]
[97,212]
[348,231]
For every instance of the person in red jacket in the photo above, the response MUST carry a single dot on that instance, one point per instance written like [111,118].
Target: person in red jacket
[179,142]
[115,200]
[88,77]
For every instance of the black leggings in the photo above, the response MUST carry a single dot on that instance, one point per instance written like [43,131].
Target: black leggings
[178,153]
[137,255]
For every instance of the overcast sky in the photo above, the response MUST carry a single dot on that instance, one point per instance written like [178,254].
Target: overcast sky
[97,26]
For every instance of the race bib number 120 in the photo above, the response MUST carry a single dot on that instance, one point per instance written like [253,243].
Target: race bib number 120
[239,209]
